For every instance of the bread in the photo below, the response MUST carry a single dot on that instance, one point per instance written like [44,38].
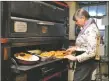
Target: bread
[57,54]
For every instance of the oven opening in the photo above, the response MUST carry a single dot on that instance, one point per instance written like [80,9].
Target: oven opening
[50,70]
[42,47]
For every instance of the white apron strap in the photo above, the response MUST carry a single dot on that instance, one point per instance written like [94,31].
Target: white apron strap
[97,56]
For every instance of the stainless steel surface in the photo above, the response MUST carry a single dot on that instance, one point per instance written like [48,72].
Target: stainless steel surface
[32,20]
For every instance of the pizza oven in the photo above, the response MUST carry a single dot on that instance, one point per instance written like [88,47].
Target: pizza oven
[33,25]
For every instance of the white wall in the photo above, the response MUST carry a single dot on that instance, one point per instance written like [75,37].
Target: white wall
[72,8]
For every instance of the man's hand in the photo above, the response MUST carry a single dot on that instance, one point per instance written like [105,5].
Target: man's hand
[70,50]
[71,57]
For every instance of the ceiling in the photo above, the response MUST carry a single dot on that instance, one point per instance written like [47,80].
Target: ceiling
[85,3]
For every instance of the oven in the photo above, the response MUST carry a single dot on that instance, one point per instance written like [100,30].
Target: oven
[49,70]
[23,31]
[38,10]
[20,19]
[22,27]
[46,72]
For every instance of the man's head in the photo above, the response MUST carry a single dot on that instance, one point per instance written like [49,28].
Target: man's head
[80,17]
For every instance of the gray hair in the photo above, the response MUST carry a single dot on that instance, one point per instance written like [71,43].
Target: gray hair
[79,13]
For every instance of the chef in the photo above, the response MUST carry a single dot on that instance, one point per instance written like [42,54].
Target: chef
[86,47]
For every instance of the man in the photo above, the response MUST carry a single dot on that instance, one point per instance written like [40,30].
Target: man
[86,47]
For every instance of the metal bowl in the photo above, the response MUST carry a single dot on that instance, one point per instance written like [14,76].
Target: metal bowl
[27,62]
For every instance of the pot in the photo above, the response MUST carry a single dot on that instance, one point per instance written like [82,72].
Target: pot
[26,62]
[34,59]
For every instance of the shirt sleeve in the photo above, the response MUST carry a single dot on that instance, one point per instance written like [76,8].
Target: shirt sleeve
[90,51]
[80,49]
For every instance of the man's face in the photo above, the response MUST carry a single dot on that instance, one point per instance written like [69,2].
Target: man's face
[80,21]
